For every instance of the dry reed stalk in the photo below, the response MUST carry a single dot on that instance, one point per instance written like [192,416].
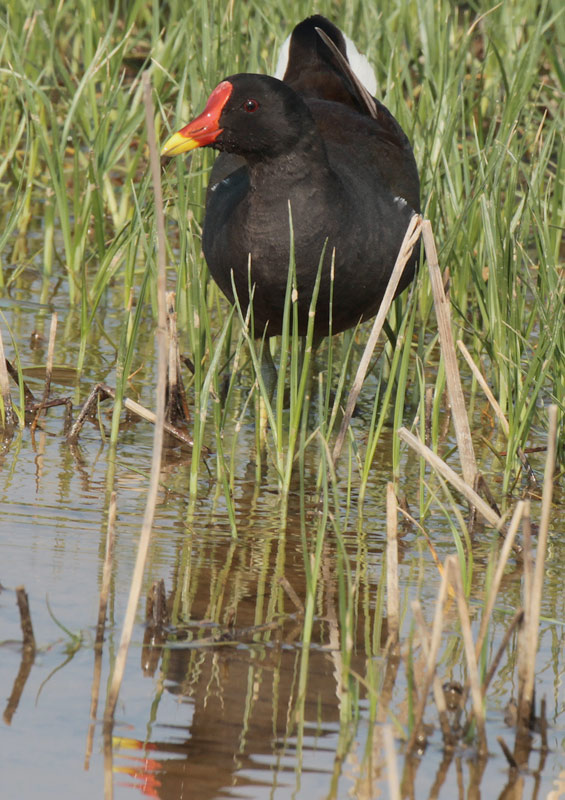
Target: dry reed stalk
[516,620]
[108,738]
[528,570]
[48,371]
[472,669]
[9,416]
[145,537]
[525,706]
[500,566]
[431,659]
[104,591]
[455,391]
[452,477]
[391,765]
[429,401]
[496,408]
[150,416]
[173,339]
[177,406]
[439,695]
[485,387]
[392,564]
[409,242]
[107,570]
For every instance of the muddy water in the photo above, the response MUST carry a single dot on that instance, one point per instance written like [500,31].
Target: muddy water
[214,712]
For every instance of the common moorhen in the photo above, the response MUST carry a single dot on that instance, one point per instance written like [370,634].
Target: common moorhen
[317,149]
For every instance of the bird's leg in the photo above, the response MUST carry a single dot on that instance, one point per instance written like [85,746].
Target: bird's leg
[391,335]
[268,370]
[310,378]
[269,376]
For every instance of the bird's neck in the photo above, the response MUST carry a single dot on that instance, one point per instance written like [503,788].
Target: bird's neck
[305,164]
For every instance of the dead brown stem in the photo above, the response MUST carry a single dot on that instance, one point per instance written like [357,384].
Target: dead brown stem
[450,475]
[104,591]
[48,371]
[455,391]
[392,564]
[496,408]
[472,670]
[177,405]
[500,566]
[439,695]
[28,656]
[431,659]
[103,391]
[507,752]
[8,415]
[107,570]
[516,620]
[525,705]
[25,618]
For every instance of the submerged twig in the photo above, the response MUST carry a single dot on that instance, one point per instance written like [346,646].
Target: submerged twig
[156,622]
[525,704]
[472,670]
[103,391]
[25,619]
[177,406]
[500,566]
[107,570]
[104,591]
[289,589]
[28,656]
[516,620]
[29,397]
[392,564]
[432,650]
[528,572]
[9,416]
[48,371]
[430,644]
[507,752]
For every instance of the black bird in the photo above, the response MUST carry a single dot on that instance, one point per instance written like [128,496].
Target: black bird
[316,148]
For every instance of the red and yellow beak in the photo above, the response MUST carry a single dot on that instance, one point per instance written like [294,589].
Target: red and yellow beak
[205,128]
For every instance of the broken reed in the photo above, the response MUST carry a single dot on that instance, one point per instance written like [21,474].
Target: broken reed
[526,620]
[162,353]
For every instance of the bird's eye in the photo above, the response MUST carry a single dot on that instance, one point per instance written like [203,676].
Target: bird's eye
[250,105]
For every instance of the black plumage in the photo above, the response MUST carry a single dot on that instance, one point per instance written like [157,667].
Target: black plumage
[316,148]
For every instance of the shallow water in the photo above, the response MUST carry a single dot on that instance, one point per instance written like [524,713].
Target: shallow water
[206,719]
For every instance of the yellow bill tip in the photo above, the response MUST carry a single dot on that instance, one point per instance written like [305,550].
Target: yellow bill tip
[178,144]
